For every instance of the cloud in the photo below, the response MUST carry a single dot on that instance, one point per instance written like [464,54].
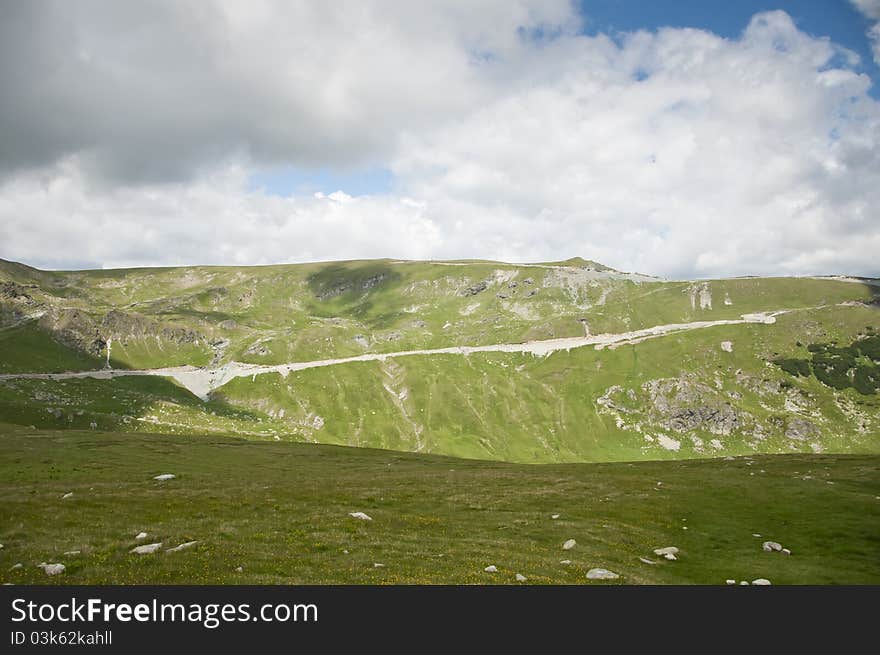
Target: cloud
[509,134]
[871,10]
[161,90]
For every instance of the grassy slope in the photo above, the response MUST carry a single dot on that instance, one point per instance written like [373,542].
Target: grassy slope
[495,405]
[28,348]
[281,512]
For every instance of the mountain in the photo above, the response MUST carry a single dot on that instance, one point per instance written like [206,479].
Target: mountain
[567,361]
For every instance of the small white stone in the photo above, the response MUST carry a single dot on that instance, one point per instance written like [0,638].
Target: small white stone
[67,495]
[601,574]
[645,560]
[684,527]
[239,569]
[146,549]
[140,535]
[378,565]
[666,551]
[554,516]
[755,534]
[770,546]
[786,551]
[165,476]
[71,552]
[566,562]
[761,582]
[52,569]
[568,545]
[16,566]
[520,577]
[744,583]
[360,515]
[345,552]
[187,544]
[730,581]
[491,569]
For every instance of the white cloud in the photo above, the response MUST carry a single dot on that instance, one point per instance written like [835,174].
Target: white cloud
[676,152]
[871,10]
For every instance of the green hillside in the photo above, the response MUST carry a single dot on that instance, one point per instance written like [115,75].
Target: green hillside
[713,391]
[279,513]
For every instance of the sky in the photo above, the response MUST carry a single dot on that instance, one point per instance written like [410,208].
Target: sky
[680,138]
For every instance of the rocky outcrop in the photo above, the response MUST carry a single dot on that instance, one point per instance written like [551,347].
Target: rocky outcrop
[15,293]
[683,404]
[119,324]
[75,329]
[475,289]
[717,420]
[800,429]
[338,287]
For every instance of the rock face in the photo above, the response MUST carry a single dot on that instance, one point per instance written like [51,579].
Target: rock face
[800,429]
[683,404]
[79,330]
[16,293]
[344,285]
[129,324]
[475,289]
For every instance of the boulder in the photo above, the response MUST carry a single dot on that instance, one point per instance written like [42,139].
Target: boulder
[601,574]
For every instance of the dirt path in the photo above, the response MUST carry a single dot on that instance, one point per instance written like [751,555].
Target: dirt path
[202,381]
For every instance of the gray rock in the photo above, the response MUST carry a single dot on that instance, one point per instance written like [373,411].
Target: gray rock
[475,289]
[52,569]
[601,574]
[669,552]
[800,429]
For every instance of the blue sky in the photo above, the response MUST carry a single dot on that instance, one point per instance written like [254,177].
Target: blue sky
[835,19]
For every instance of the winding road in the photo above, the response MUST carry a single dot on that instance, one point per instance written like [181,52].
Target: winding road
[202,381]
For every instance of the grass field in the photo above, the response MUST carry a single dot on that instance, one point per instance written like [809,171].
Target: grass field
[280,511]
